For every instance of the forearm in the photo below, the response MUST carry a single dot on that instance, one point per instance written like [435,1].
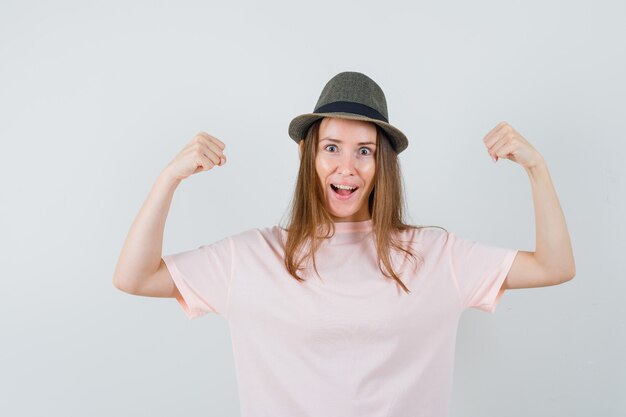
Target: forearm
[553,245]
[142,250]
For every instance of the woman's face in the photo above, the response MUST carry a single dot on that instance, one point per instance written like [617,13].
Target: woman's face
[346,155]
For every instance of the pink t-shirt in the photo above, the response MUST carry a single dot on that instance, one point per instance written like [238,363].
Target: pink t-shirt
[354,343]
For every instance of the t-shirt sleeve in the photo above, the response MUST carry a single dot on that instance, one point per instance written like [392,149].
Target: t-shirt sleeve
[479,271]
[203,277]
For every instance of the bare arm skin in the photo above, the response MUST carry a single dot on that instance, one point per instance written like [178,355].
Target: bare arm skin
[140,258]
[140,269]
[552,262]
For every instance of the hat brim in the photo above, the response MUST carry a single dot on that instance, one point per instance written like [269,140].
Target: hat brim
[300,125]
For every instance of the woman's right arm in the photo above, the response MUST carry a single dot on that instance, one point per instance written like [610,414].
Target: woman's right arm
[140,269]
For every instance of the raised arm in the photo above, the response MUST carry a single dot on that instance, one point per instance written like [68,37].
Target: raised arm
[140,269]
[552,262]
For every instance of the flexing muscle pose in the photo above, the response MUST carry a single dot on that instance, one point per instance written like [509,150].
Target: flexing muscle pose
[347,310]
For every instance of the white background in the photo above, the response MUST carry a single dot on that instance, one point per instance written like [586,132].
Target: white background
[97,98]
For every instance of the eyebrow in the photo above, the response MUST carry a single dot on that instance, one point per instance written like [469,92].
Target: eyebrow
[339,141]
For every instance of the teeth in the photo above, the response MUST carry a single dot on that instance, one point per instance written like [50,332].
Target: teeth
[344,187]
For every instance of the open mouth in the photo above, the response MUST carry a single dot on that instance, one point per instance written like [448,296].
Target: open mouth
[343,191]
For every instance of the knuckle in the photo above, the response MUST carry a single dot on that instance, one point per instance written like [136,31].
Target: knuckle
[219,143]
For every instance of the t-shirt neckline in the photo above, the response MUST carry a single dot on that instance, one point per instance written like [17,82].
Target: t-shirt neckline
[348,227]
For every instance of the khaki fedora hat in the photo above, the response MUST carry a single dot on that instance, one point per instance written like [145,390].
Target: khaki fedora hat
[350,95]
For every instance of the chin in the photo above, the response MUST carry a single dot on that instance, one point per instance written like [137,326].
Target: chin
[345,215]
[344,212]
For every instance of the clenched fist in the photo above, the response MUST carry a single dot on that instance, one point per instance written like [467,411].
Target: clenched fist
[202,153]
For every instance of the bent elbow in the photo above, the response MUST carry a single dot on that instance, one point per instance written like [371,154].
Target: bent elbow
[120,284]
[569,274]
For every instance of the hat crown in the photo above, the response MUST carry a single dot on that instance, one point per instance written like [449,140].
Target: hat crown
[355,96]
[353,87]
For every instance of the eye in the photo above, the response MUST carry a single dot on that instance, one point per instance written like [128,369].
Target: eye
[369,151]
[329,146]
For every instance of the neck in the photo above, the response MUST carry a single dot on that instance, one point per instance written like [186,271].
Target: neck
[353,226]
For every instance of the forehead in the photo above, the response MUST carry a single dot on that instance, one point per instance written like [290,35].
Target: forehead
[339,130]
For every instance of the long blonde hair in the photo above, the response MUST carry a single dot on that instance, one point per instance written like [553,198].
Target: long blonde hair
[308,210]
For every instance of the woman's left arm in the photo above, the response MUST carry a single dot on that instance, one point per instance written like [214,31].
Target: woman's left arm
[552,262]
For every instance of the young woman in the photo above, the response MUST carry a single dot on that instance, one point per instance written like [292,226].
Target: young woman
[346,311]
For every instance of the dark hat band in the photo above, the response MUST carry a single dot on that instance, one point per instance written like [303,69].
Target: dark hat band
[351,107]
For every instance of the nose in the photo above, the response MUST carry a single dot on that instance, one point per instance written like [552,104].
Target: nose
[346,164]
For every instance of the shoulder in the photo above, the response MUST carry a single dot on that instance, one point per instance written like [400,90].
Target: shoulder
[258,236]
[424,235]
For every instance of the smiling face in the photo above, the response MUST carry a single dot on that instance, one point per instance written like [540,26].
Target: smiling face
[346,156]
